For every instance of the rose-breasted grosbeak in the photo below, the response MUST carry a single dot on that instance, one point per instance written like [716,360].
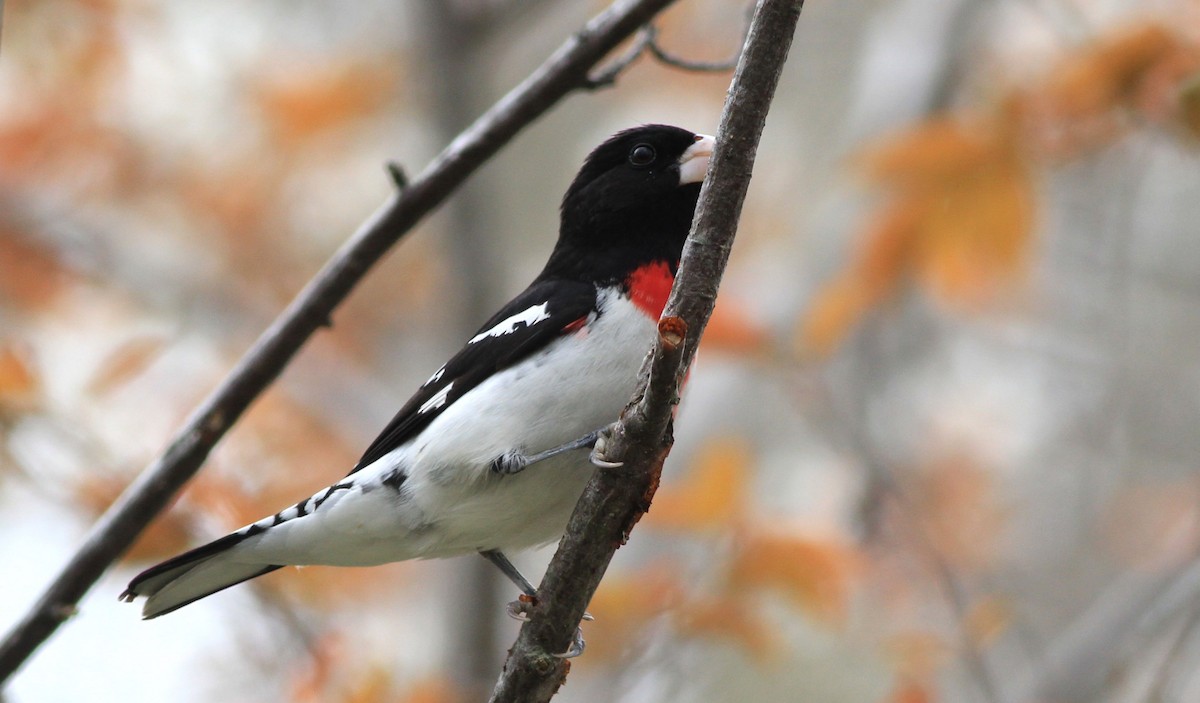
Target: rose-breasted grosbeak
[487,455]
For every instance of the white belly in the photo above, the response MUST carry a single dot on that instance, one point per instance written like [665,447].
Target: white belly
[451,501]
[468,506]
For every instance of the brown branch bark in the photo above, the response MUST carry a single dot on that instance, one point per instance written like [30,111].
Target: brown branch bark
[565,71]
[615,499]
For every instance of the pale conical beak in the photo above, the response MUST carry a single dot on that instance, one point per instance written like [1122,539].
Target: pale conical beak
[694,162]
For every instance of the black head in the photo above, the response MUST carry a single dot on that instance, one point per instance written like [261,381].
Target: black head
[631,203]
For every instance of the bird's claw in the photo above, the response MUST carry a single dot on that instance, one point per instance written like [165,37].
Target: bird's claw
[576,648]
[598,451]
[520,608]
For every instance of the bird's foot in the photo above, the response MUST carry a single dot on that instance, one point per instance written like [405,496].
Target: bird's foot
[576,648]
[509,463]
[599,449]
[521,608]
[514,461]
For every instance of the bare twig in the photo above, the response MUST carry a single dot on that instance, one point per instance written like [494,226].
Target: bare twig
[605,75]
[615,499]
[565,71]
[647,40]
[677,61]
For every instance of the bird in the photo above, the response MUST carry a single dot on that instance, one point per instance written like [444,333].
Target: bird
[491,453]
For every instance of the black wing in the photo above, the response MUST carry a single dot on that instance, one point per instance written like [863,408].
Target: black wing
[544,312]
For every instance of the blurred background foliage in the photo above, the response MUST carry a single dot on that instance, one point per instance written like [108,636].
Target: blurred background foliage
[940,444]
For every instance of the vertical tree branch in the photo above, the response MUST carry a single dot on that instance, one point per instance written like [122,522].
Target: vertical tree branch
[615,499]
[565,71]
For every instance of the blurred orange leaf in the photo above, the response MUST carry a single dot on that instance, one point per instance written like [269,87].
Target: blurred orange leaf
[963,209]
[816,575]
[376,685]
[732,329]
[240,214]
[331,586]
[959,220]
[728,619]
[884,255]
[1102,75]
[977,231]
[332,673]
[314,677]
[303,103]
[712,495]
[886,248]
[625,603]
[125,362]
[431,690]
[835,310]
[167,535]
[958,504]
[938,150]
[1080,105]
[1161,91]
[987,619]
[910,692]
[31,275]
[20,387]
[917,655]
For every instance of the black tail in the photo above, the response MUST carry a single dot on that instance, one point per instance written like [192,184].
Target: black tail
[193,575]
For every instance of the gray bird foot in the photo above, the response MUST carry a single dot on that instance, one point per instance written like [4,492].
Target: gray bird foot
[514,461]
[576,648]
[509,463]
[599,448]
[520,610]
[523,605]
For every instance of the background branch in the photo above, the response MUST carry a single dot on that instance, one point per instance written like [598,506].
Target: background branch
[671,59]
[615,499]
[647,40]
[565,71]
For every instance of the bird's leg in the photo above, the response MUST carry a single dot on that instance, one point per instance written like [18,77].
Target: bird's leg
[506,567]
[519,609]
[515,462]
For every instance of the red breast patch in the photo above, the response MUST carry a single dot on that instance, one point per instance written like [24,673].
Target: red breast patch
[649,287]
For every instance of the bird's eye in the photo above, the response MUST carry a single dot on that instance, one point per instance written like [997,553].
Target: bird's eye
[642,155]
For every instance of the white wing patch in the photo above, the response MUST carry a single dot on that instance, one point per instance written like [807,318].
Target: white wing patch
[437,401]
[529,316]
